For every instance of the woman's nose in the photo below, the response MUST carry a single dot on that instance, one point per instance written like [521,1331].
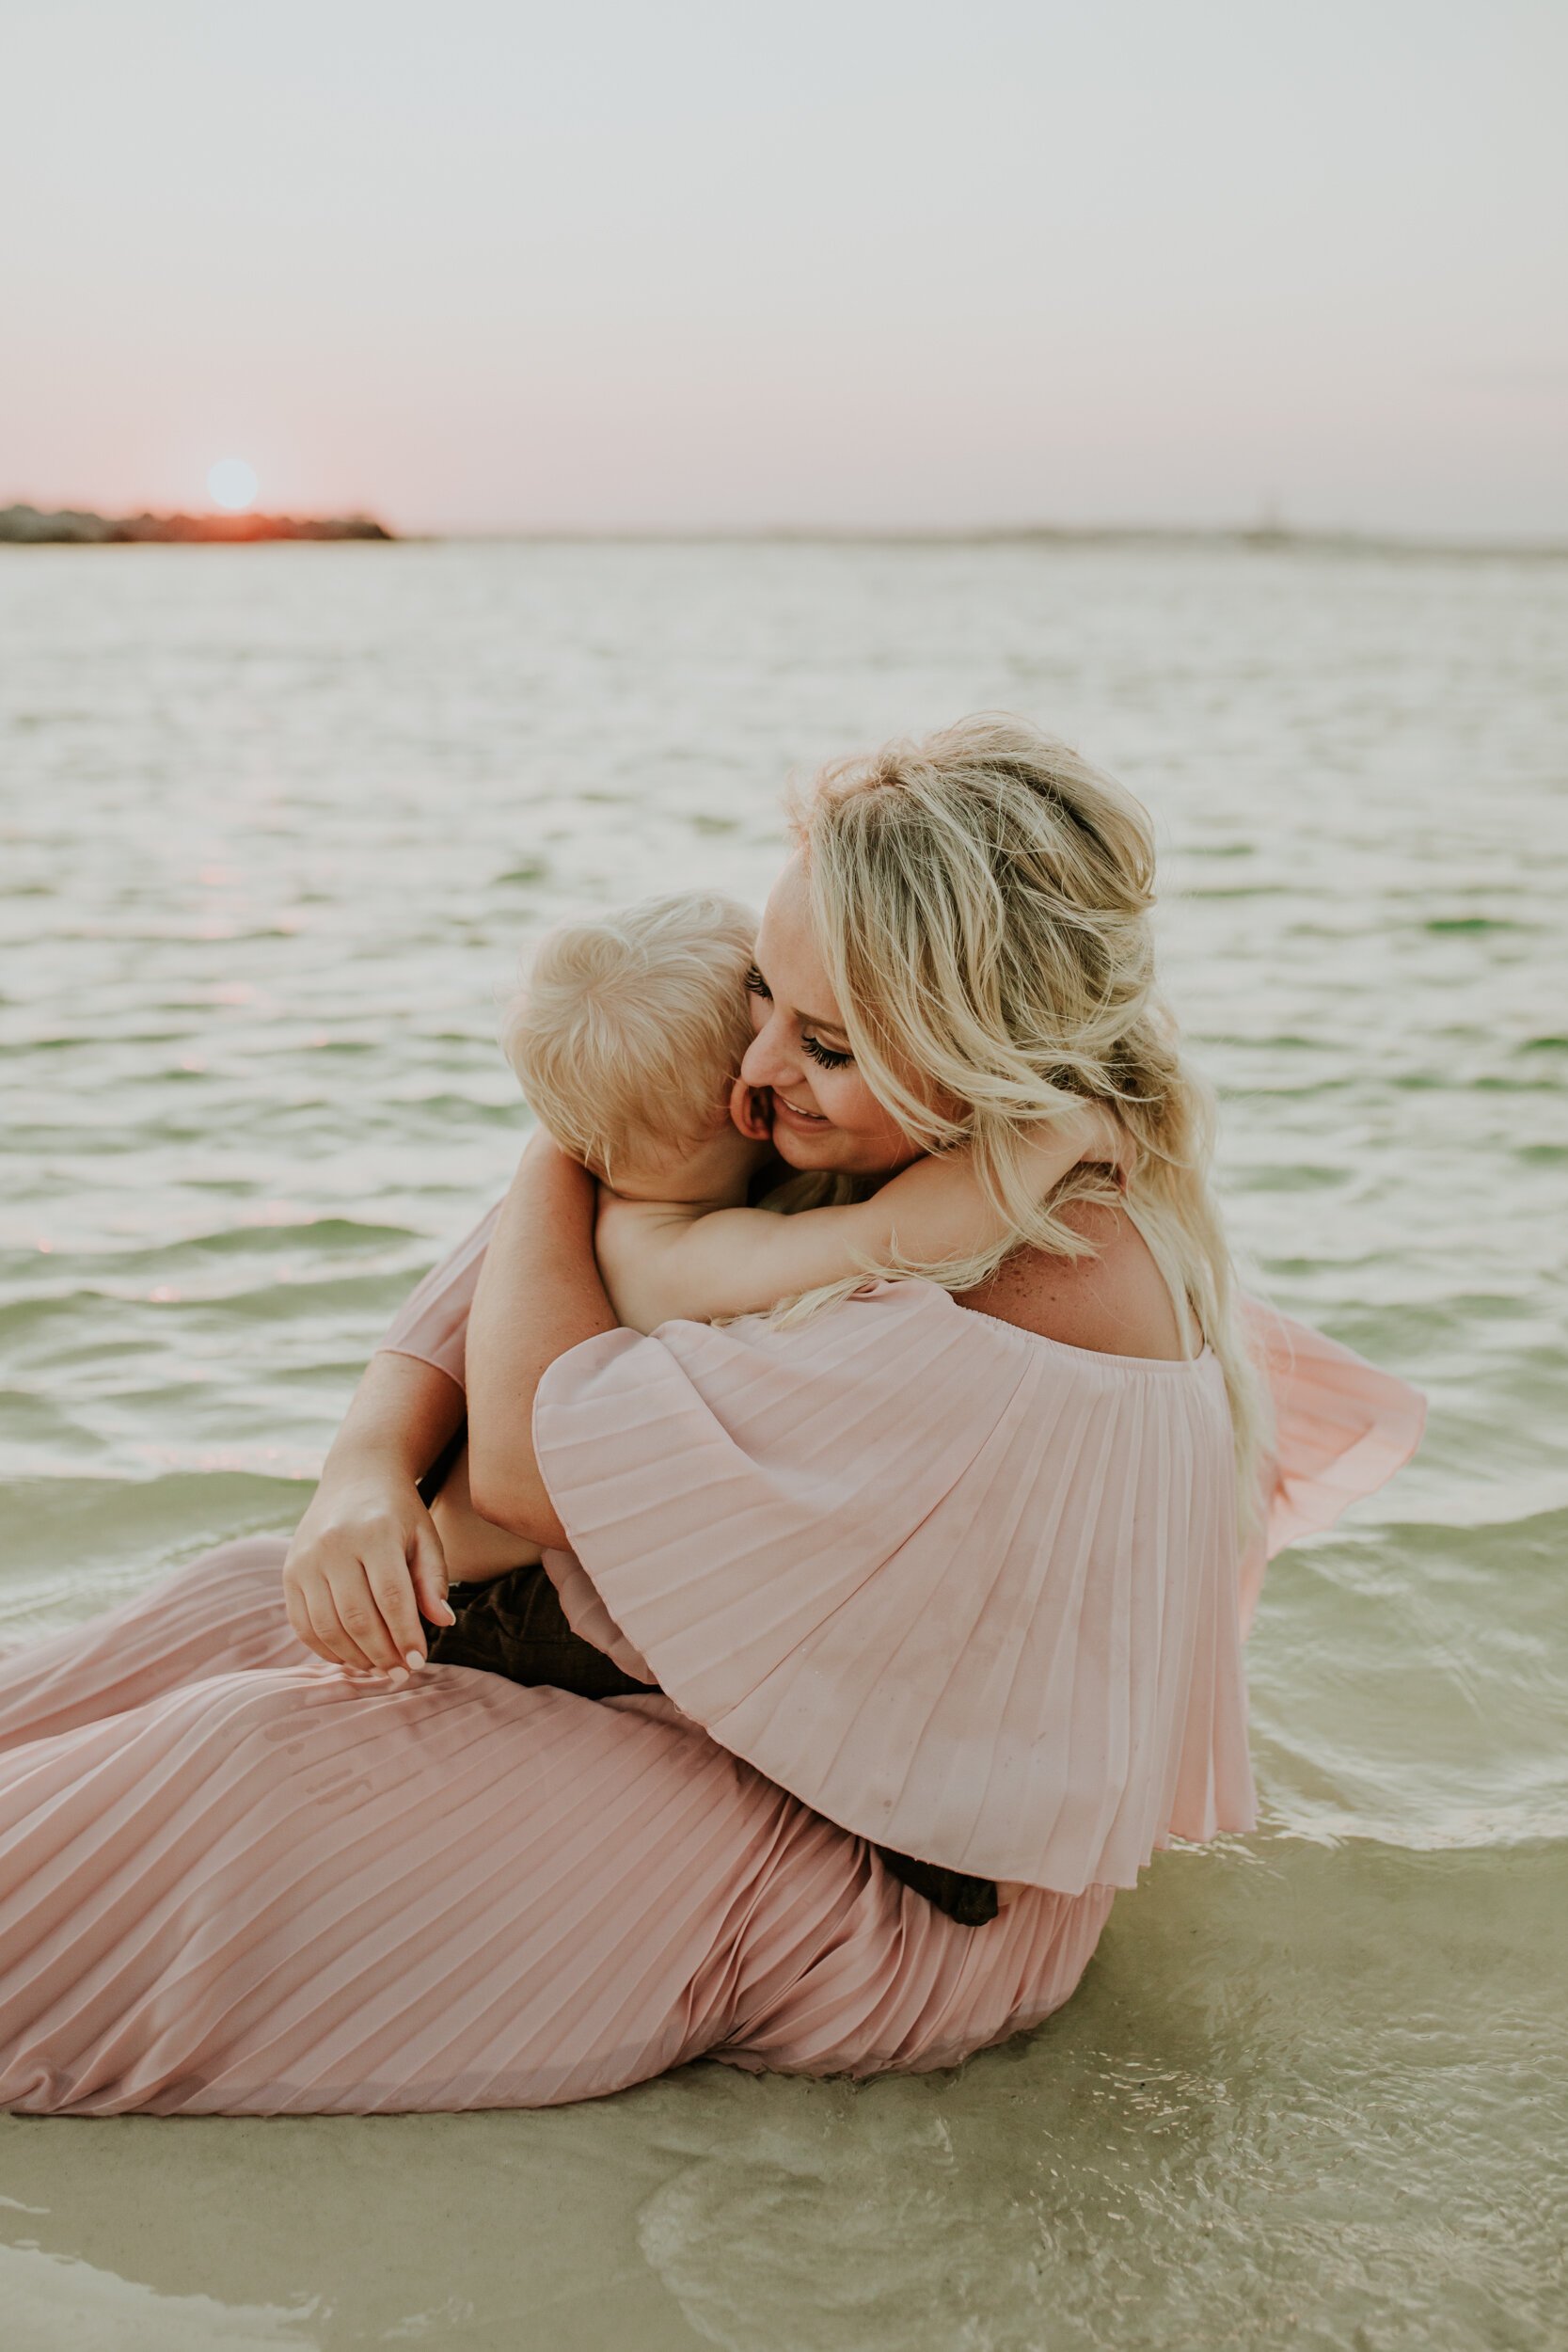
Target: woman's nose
[766,1062]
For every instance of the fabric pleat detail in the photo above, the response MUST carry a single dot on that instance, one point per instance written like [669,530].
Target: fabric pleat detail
[1342,1428]
[433,1321]
[971,1594]
[249,1884]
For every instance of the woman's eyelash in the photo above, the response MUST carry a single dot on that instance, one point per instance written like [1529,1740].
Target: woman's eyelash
[824,1054]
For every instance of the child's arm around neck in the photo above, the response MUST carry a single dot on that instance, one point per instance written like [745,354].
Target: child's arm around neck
[664,1259]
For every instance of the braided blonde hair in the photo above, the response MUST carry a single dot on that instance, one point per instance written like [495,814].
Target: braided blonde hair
[981,900]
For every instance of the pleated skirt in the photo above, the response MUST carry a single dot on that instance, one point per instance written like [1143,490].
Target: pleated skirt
[236,1881]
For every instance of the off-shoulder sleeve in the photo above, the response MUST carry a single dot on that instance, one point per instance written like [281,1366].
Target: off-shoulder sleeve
[1341,1429]
[964,1592]
[433,1321]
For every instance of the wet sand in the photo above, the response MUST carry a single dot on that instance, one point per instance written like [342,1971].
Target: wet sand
[1285,2107]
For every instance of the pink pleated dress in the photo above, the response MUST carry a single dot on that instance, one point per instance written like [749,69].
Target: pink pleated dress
[905,1575]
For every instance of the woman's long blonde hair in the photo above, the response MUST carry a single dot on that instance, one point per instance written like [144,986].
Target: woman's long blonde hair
[981,899]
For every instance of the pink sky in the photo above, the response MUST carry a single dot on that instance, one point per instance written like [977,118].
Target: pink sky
[496,265]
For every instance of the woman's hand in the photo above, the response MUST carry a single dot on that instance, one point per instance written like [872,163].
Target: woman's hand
[366,1557]
[365,1561]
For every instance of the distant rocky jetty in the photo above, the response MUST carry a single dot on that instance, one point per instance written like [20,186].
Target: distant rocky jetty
[29,526]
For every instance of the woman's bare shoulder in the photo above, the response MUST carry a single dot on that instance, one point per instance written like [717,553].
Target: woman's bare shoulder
[1115,1302]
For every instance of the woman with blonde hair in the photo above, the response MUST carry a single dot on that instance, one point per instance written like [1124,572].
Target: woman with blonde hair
[949,1561]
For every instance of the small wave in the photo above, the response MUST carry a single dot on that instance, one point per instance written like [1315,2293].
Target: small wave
[334,1234]
[1464,923]
[76,1546]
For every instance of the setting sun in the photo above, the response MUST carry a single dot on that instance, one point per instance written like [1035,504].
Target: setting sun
[232,484]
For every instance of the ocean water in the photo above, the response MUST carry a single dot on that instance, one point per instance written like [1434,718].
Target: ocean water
[276,824]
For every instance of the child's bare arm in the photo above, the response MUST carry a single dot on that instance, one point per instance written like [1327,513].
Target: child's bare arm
[744,1261]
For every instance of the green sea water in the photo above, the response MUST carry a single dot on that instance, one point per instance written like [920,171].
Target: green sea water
[276,824]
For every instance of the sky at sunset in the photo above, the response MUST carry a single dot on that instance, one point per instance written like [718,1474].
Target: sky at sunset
[492,265]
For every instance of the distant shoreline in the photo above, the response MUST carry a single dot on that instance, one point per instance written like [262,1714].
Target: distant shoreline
[24,525]
[1265,539]
[28,526]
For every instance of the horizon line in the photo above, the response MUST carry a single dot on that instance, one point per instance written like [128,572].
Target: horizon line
[1327,537]
[1270,532]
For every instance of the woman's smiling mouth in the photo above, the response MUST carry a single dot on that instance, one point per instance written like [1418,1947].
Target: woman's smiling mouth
[812,1118]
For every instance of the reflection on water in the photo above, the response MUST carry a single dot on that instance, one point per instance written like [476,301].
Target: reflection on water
[276,824]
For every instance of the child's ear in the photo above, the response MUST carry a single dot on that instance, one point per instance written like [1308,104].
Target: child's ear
[752,1111]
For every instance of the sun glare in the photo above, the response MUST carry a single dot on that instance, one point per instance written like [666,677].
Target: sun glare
[232,484]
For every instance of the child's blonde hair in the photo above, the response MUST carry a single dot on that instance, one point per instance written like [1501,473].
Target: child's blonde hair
[631,1027]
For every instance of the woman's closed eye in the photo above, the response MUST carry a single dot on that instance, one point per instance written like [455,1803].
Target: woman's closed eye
[827,1057]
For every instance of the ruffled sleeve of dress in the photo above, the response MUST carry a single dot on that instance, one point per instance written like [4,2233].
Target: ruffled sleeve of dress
[968,1593]
[1341,1429]
[433,1321]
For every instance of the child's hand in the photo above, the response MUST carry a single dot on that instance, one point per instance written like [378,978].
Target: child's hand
[1102,1139]
[1107,1142]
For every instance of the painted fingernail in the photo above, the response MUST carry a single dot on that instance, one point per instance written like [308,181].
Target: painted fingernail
[416,1660]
